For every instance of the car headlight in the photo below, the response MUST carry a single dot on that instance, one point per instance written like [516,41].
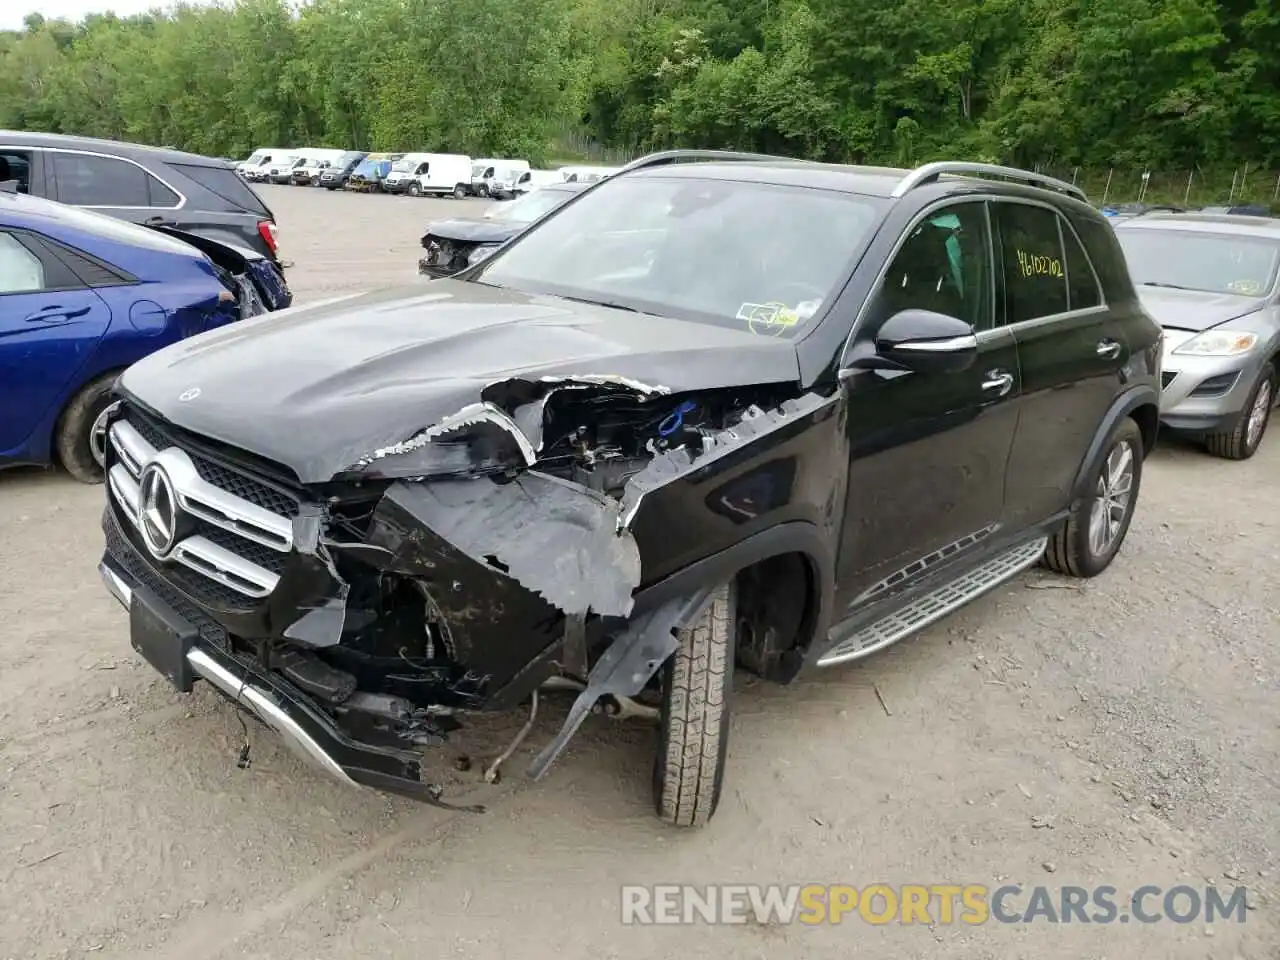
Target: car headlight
[482,252]
[1218,343]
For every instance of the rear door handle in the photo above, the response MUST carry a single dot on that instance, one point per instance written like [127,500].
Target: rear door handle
[56,312]
[1109,349]
[998,382]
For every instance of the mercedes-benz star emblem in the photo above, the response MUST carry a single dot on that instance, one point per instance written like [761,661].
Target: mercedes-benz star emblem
[158,510]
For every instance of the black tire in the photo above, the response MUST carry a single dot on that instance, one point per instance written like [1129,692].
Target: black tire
[1072,550]
[693,737]
[483,190]
[414,189]
[1236,444]
[72,438]
[459,192]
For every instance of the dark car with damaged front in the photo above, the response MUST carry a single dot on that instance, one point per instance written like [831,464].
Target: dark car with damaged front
[453,245]
[729,411]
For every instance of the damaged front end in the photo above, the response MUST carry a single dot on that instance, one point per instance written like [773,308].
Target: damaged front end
[536,533]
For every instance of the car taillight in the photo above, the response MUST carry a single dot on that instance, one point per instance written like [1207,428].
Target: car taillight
[270,234]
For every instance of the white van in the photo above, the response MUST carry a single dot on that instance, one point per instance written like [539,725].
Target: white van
[496,176]
[254,163]
[437,173]
[579,174]
[531,180]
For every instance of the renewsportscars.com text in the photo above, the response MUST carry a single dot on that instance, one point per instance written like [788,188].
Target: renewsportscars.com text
[939,903]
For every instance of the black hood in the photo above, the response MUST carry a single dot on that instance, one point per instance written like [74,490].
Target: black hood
[317,388]
[475,231]
[1195,310]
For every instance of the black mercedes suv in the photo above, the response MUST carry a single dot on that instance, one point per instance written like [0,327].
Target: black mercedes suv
[719,409]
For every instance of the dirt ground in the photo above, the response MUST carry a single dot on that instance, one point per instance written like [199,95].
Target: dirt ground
[1124,731]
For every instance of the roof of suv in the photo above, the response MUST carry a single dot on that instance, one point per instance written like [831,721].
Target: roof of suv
[876,181]
[853,179]
[19,138]
[1241,225]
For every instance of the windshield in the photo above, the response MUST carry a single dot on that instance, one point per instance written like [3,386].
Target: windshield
[402,166]
[531,206]
[1213,262]
[749,255]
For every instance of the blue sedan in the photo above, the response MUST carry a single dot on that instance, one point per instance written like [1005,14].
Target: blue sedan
[83,296]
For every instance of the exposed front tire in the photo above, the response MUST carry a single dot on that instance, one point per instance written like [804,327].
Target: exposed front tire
[414,189]
[1245,436]
[459,192]
[693,738]
[1090,539]
[79,440]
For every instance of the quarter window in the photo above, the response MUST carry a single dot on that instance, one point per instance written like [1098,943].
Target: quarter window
[91,181]
[1082,285]
[944,265]
[16,166]
[20,269]
[1035,273]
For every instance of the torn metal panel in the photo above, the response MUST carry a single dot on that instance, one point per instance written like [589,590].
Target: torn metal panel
[555,538]
[683,461]
[626,667]
[319,590]
[460,438]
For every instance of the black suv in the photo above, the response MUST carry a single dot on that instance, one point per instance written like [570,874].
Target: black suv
[147,185]
[717,409]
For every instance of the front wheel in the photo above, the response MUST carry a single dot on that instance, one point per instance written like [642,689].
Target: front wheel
[693,739]
[414,189]
[1090,539]
[1242,440]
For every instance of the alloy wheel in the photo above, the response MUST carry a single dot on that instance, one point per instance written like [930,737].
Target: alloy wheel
[1258,415]
[1112,499]
[98,438]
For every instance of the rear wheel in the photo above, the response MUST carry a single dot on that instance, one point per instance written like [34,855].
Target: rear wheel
[1090,539]
[459,192]
[693,741]
[1245,436]
[81,437]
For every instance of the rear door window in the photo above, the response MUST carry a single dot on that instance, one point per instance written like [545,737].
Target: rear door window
[1083,291]
[226,185]
[85,180]
[1035,278]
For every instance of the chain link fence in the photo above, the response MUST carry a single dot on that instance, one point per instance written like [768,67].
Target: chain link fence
[1246,184]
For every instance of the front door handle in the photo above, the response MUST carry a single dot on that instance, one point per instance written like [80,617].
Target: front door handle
[1109,349]
[998,382]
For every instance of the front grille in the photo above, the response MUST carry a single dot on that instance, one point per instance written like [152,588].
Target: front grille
[210,528]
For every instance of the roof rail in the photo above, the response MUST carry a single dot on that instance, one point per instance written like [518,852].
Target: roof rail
[663,157]
[932,171]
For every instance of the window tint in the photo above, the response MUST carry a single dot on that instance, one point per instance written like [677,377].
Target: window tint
[161,196]
[224,183]
[16,166]
[1035,281]
[90,181]
[20,269]
[944,266]
[1082,285]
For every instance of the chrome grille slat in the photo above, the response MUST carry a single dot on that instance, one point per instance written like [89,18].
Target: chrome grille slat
[204,502]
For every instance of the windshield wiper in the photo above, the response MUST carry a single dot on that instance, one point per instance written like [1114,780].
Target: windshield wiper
[1167,286]
[604,303]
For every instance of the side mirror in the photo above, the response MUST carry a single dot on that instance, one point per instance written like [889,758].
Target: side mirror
[927,342]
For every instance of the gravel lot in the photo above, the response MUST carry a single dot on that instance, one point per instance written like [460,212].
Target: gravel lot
[1124,732]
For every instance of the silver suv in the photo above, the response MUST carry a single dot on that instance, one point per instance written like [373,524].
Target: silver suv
[1211,281]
